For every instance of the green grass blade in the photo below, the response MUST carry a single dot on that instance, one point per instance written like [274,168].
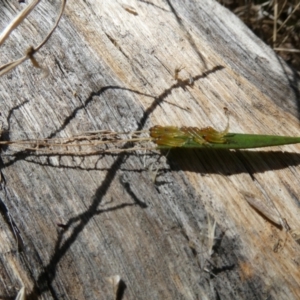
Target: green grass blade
[243,141]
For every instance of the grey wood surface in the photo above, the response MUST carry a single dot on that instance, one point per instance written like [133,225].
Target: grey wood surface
[69,225]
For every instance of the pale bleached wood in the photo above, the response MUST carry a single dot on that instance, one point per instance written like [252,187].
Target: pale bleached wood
[111,69]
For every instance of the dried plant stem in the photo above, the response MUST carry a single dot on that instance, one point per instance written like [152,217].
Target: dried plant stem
[48,152]
[287,50]
[17,20]
[86,144]
[63,4]
[165,137]
[44,143]
[31,50]
[286,20]
[275,23]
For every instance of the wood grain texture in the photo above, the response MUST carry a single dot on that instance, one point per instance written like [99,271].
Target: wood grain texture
[70,223]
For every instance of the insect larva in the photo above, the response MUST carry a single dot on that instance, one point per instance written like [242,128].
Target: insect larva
[130,9]
[262,208]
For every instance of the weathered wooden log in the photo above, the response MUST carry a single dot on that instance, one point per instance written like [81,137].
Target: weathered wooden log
[73,227]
